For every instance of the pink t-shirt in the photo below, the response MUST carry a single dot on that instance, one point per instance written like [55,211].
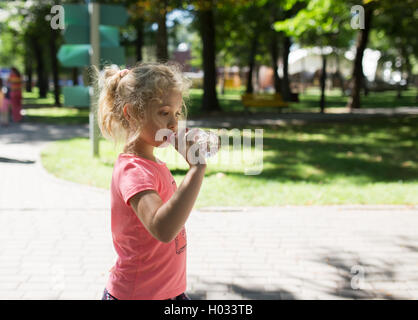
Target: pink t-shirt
[145,267]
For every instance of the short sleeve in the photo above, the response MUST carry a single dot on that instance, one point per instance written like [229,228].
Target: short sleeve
[135,178]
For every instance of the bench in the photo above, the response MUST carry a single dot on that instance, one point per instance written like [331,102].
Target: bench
[263,100]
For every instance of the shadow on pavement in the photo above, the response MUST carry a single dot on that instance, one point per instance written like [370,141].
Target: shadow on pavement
[37,133]
[247,292]
[358,277]
[8,160]
[255,294]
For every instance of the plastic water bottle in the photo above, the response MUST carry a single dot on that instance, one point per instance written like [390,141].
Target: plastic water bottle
[208,141]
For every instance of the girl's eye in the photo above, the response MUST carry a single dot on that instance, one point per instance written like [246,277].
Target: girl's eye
[167,113]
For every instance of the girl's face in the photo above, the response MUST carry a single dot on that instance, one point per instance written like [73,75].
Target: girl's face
[162,114]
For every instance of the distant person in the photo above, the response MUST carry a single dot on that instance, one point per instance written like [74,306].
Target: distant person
[15,86]
[148,212]
[4,105]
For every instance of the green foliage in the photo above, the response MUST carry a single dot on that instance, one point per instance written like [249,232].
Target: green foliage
[320,23]
[394,33]
[11,41]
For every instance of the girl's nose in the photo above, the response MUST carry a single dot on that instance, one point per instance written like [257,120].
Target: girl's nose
[172,125]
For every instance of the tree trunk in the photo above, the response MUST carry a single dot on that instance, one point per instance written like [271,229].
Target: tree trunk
[323,79]
[162,52]
[75,76]
[357,75]
[286,92]
[399,87]
[28,71]
[251,63]
[42,79]
[223,82]
[365,87]
[408,69]
[139,43]
[338,74]
[207,29]
[399,91]
[55,68]
[274,53]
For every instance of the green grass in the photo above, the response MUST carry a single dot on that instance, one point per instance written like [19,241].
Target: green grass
[361,162]
[57,115]
[32,98]
[43,110]
[387,99]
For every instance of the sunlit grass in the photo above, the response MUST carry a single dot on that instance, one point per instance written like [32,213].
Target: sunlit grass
[56,115]
[373,162]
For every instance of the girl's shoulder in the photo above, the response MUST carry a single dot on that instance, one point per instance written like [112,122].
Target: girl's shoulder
[130,171]
[130,162]
[129,157]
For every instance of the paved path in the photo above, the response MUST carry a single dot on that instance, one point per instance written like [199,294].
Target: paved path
[56,242]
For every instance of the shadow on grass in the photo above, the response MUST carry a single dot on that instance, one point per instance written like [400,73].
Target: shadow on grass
[374,151]
[326,158]
[381,157]
[73,120]
[310,102]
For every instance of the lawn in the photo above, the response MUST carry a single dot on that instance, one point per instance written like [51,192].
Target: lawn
[355,162]
[43,110]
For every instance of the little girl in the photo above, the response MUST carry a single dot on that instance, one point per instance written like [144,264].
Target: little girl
[148,211]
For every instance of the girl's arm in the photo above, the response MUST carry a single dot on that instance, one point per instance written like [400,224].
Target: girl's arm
[165,220]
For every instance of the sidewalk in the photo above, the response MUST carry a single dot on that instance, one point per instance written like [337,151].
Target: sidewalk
[56,241]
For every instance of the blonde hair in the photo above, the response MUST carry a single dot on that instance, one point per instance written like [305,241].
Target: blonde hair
[142,84]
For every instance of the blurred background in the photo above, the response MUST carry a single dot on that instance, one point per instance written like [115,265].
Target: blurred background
[300,49]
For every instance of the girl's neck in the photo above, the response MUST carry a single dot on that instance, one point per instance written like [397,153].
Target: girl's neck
[142,149]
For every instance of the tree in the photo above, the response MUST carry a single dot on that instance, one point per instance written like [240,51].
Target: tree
[137,18]
[358,75]
[394,35]
[11,36]
[29,26]
[160,10]
[207,31]
[322,23]
[282,11]
[245,36]
[205,23]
